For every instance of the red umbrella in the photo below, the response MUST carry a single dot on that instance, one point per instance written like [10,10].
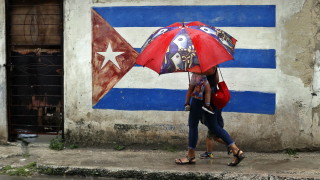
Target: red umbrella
[193,47]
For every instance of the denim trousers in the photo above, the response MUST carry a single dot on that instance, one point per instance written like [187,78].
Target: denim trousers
[212,122]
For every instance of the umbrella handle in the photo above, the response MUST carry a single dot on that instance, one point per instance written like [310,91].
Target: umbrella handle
[189,77]
[220,72]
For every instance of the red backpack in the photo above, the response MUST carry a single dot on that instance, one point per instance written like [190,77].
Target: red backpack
[222,96]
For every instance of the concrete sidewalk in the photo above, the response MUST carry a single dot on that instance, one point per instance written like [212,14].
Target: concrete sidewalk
[156,164]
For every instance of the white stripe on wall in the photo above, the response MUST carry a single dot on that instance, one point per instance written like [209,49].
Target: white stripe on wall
[248,37]
[238,79]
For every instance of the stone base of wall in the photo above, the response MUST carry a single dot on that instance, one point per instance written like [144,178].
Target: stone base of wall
[3,135]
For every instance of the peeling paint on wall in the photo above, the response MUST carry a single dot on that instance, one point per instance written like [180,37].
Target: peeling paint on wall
[3,86]
[294,124]
[142,127]
[298,47]
[316,74]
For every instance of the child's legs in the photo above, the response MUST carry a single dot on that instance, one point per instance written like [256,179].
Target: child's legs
[209,144]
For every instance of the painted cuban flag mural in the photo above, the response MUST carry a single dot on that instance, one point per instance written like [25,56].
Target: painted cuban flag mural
[119,32]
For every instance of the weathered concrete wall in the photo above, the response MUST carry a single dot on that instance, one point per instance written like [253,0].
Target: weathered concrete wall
[295,81]
[94,126]
[297,107]
[3,98]
[295,124]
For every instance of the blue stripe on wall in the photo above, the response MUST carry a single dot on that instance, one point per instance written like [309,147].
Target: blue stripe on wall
[249,58]
[173,100]
[252,58]
[160,16]
[251,102]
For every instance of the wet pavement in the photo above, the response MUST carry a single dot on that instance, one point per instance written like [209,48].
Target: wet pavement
[45,177]
[159,164]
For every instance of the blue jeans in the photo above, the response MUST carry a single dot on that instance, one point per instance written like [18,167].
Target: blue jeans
[194,117]
[211,134]
[212,122]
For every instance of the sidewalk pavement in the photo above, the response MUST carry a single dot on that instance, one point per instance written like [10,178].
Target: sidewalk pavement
[159,164]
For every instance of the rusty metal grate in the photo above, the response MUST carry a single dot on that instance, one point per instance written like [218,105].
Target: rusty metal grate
[34,66]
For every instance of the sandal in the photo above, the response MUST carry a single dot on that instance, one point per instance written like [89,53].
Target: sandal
[229,151]
[239,157]
[190,161]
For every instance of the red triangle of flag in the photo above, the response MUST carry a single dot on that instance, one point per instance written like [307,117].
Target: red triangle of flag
[108,70]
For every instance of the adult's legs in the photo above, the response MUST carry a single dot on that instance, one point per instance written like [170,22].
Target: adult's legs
[194,117]
[211,135]
[221,124]
[213,125]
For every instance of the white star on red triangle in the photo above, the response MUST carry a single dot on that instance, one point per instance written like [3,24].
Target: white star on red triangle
[109,55]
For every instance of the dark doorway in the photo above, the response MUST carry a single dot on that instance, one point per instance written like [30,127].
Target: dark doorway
[34,66]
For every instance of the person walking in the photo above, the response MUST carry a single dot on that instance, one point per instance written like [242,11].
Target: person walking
[195,93]
[213,80]
[212,123]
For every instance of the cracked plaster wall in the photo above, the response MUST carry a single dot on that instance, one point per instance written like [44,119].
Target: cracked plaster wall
[295,124]
[298,107]
[3,98]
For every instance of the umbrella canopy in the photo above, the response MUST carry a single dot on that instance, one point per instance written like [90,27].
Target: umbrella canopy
[193,47]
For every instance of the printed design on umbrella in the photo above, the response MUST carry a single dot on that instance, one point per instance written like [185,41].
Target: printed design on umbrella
[194,47]
[156,34]
[224,38]
[180,55]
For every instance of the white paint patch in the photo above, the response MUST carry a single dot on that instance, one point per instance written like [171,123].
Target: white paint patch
[289,8]
[316,73]
[77,59]
[3,85]
[316,82]
[238,79]
[248,37]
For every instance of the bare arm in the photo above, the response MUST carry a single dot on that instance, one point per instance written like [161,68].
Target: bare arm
[207,97]
[189,92]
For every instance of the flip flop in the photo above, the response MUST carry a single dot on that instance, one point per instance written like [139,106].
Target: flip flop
[190,161]
[239,157]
